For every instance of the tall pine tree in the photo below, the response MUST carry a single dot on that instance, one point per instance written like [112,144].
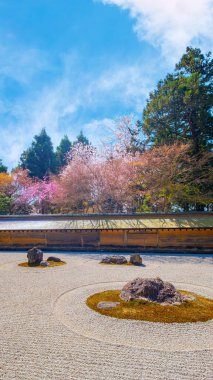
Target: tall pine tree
[180,109]
[3,168]
[39,159]
[61,152]
[81,139]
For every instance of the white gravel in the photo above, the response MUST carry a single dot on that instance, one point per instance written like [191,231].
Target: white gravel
[48,333]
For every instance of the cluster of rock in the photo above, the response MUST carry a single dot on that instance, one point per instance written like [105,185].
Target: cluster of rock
[35,257]
[114,260]
[154,290]
[135,259]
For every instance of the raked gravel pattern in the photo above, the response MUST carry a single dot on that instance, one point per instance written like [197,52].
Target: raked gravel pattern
[48,333]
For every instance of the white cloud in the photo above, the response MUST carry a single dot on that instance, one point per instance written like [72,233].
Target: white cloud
[58,104]
[171,24]
[128,84]
[29,115]
[58,108]
[21,64]
[96,130]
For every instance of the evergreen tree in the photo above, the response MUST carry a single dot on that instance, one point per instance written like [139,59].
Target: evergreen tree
[5,204]
[180,109]
[3,168]
[81,139]
[39,159]
[61,152]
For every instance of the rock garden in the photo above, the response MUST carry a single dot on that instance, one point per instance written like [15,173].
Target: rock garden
[45,314]
[36,259]
[134,259]
[153,300]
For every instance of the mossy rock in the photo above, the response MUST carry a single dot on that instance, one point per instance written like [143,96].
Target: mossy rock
[198,310]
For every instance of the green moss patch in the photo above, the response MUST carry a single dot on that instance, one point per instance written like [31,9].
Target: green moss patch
[51,264]
[199,310]
[123,265]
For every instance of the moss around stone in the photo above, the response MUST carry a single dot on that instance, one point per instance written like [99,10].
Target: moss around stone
[199,310]
[51,264]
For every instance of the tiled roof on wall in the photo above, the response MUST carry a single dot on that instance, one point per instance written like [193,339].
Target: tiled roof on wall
[109,223]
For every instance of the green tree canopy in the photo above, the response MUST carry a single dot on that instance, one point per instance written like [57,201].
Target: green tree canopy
[3,168]
[180,109]
[81,139]
[61,152]
[5,204]
[39,159]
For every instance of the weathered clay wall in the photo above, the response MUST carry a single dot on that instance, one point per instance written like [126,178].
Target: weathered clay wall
[186,238]
[56,239]
[156,239]
[197,238]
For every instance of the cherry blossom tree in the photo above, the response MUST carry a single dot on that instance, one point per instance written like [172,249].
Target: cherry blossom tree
[92,179]
[75,180]
[115,179]
[31,194]
[127,136]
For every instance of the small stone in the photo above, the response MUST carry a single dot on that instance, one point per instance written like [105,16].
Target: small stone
[135,259]
[44,264]
[35,256]
[189,298]
[114,260]
[55,259]
[107,305]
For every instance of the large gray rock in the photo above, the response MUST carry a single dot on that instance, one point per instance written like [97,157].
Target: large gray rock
[35,256]
[114,260]
[152,289]
[135,259]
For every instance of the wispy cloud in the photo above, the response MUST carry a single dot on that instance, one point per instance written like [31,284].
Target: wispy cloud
[129,84]
[97,130]
[57,105]
[171,25]
[21,64]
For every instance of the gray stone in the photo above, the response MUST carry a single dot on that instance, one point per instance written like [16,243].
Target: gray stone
[107,305]
[114,260]
[35,256]
[55,259]
[135,259]
[44,264]
[154,290]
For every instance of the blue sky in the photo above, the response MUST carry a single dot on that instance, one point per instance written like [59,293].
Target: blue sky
[71,65]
